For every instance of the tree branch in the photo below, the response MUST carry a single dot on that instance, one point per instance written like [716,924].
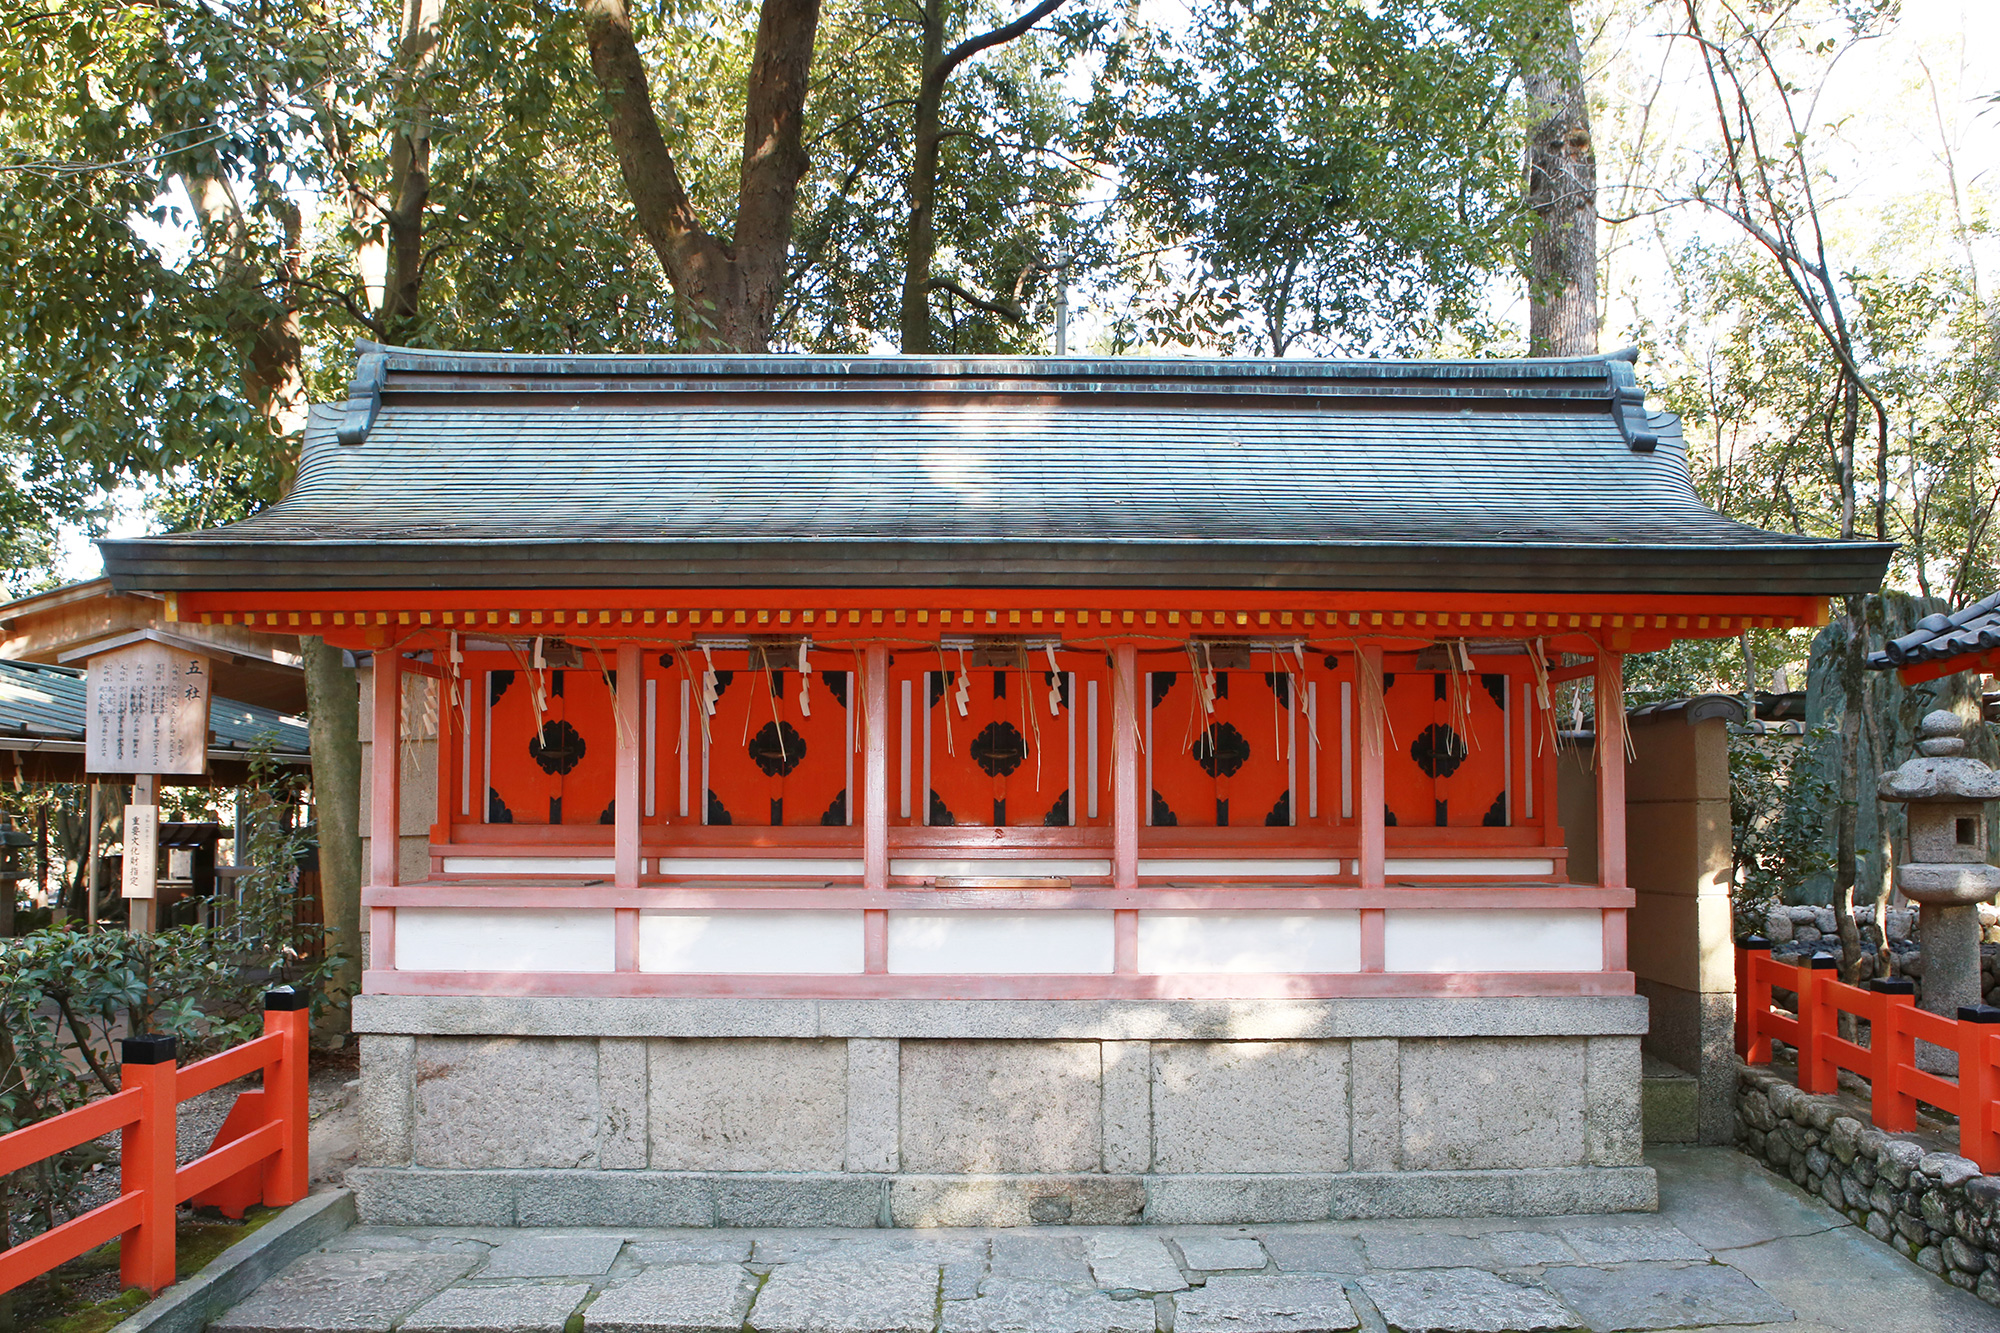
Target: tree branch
[972,46]
[1006,310]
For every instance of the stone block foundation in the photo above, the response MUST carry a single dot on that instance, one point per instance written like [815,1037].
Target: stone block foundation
[636,1112]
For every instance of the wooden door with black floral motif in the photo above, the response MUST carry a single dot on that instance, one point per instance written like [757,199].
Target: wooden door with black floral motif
[778,748]
[550,750]
[998,745]
[1224,747]
[1447,749]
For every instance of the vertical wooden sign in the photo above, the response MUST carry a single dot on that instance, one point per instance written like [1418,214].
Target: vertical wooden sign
[142,850]
[147,710]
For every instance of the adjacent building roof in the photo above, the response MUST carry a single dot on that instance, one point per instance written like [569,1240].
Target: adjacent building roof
[42,703]
[1966,633]
[497,471]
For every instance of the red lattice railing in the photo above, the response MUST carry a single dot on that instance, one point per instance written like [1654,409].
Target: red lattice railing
[260,1154]
[1888,1061]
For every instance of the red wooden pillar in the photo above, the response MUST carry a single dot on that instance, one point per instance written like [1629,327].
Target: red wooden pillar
[875,775]
[1610,770]
[146,1162]
[1370,812]
[1369,797]
[386,787]
[631,749]
[1125,793]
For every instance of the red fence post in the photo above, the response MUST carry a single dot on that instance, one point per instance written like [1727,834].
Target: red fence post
[1978,1125]
[1890,1047]
[1745,1029]
[147,1162]
[1818,1020]
[1753,1001]
[286,1173]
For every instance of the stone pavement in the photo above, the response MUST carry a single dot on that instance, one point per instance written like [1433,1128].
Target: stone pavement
[1732,1247]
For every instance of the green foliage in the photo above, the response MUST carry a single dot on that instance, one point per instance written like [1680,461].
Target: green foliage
[1334,176]
[1715,666]
[66,991]
[1781,806]
[1750,374]
[1013,181]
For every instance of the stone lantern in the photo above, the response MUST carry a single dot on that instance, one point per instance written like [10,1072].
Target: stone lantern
[1945,870]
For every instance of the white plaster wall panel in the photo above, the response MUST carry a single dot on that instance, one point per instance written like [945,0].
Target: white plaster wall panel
[1249,942]
[776,943]
[1234,868]
[528,865]
[999,943]
[1501,940]
[930,867]
[762,867]
[1526,867]
[451,939]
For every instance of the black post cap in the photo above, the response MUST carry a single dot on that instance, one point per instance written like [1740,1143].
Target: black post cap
[1821,962]
[1978,1013]
[1893,986]
[286,999]
[1755,942]
[150,1048]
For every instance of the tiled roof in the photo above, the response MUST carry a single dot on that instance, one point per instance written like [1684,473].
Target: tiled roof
[1975,629]
[467,470]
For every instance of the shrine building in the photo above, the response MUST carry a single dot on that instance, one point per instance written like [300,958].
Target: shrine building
[908,792]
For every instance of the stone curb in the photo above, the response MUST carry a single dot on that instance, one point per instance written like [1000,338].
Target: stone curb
[189,1307]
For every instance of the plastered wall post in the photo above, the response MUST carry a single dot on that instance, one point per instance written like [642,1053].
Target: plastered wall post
[1677,821]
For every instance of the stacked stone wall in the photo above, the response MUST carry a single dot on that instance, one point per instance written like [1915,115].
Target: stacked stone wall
[1799,932]
[1934,1208]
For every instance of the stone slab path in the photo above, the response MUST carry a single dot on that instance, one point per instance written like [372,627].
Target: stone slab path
[1732,1247]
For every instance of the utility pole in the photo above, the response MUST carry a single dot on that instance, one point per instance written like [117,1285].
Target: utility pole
[1061,270]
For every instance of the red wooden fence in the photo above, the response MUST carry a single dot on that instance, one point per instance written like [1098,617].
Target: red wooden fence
[261,1153]
[1888,1062]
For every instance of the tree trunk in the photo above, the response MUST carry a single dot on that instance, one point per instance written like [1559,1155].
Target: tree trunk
[920,247]
[1562,192]
[333,716]
[726,296]
[409,171]
[927,133]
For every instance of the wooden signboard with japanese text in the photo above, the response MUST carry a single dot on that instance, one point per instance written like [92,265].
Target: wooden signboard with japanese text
[147,711]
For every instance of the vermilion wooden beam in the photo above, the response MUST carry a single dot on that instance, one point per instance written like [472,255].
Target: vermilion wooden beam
[1610,770]
[1125,793]
[1406,605]
[875,768]
[631,749]
[1987,661]
[386,796]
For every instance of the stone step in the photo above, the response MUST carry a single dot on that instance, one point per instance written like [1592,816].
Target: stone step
[1669,1102]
